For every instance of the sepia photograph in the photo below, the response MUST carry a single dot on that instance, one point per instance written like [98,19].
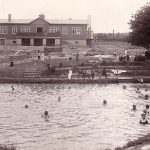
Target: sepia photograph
[74,75]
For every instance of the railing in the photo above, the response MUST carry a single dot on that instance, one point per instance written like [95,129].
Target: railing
[36,34]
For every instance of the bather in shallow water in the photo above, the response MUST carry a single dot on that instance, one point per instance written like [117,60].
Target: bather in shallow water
[45,115]
[143,119]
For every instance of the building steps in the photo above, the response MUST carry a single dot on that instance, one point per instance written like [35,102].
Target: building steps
[31,74]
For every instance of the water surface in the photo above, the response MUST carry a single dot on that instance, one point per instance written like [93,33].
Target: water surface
[80,121]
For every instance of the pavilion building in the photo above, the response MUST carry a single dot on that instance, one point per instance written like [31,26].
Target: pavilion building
[44,32]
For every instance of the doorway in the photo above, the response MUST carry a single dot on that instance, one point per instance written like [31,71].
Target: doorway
[25,42]
[2,41]
[50,42]
[38,42]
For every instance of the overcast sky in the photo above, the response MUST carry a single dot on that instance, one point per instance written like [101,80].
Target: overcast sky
[106,15]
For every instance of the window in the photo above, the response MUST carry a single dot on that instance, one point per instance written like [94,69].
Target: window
[14,30]
[53,30]
[39,29]
[3,30]
[64,30]
[76,30]
[25,29]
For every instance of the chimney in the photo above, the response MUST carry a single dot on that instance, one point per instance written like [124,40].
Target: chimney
[9,17]
[42,16]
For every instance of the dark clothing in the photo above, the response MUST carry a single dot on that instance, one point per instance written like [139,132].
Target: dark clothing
[145,122]
[104,73]
[147,55]
[92,74]
[128,57]
[39,55]
[11,62]
[53,69]
[77,57]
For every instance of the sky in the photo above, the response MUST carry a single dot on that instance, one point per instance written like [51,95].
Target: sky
[106,15]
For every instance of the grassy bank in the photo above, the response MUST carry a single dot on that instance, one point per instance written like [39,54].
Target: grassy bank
[22,64]
[62,72]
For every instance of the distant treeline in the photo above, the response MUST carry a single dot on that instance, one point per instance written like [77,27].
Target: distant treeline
[111,37]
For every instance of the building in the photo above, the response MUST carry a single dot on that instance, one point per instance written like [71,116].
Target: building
[43,32]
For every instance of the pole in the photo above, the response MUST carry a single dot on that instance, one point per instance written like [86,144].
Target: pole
[49,57]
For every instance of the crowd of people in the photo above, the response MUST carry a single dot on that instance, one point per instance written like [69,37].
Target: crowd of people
[91,73]
[145,115]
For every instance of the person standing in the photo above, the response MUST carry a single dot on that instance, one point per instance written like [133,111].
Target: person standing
[115,53]
[104,73]
[92,74]
[39,55]
[11,62]
[70,74]
[77,57]
[126,53]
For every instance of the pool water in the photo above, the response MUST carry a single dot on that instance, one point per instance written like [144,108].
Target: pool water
[79,121]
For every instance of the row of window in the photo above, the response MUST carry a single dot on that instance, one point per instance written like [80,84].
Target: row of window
[26,29]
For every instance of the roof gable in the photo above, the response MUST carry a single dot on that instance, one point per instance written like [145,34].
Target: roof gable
[39,21]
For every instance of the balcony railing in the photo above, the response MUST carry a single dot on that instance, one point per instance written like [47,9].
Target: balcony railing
[37,35]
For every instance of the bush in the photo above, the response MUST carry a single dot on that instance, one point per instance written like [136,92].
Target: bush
[60,65]
[121,58]
[139,58]
[82,64]
[103,62]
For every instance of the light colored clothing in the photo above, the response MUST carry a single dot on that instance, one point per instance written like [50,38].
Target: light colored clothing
[42,57]
[88,71]
[70,74]
[126,52]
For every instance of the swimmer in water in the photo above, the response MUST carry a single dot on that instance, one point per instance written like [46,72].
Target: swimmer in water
[147,109]
[133,108]
[104,102]
[137,90]
[12,87]
[146,97]
[143,119]
[26,106]
[45,115]
[124,87]
[59,99]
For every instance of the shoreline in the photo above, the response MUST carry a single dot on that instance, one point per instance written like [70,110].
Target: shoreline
[70,81]
[138,144]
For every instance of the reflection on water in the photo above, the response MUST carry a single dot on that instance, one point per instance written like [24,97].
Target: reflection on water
[80,121]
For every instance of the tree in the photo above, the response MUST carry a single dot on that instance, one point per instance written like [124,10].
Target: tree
[140,26]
